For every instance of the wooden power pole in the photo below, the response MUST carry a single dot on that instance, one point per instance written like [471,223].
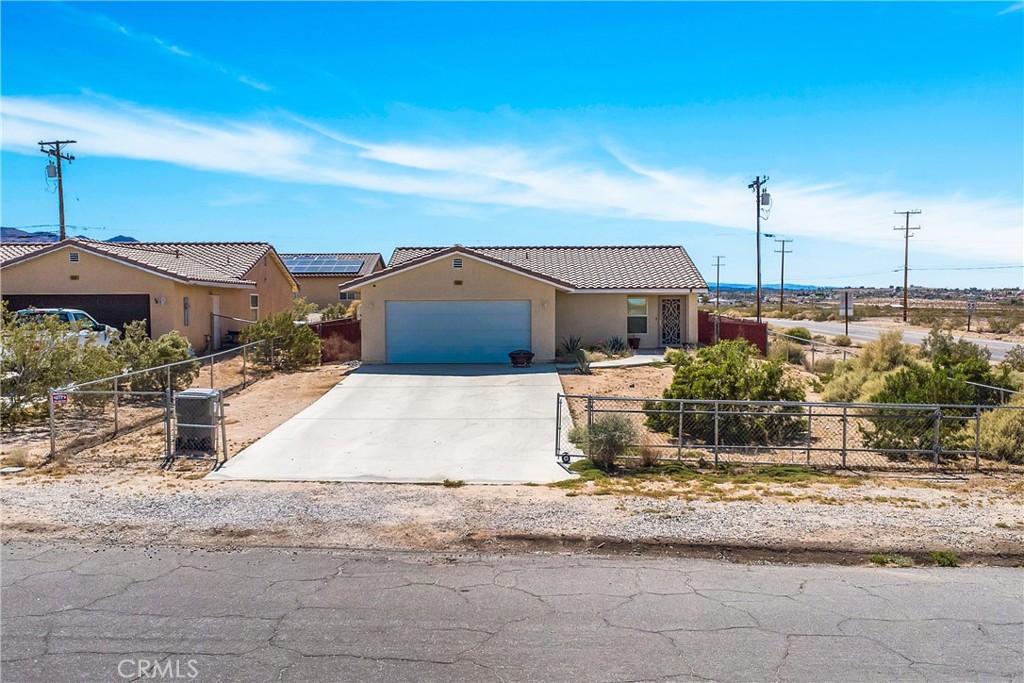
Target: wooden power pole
[906,253]
[52,149]
[782,276]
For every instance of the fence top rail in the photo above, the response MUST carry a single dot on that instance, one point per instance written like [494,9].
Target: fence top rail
[126,375]
[932,407]
[853,351]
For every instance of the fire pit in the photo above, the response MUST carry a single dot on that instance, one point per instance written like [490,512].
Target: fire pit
[521,358]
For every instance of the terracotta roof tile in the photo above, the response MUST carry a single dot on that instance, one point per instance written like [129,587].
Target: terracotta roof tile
[615,267]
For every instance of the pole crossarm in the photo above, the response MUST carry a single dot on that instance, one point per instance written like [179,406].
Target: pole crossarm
[906,252]
[52,149]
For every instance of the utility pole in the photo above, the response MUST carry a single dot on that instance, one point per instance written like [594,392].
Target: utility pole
[52,149]
[761,198]
[906,253]
[782,277]
[718,296]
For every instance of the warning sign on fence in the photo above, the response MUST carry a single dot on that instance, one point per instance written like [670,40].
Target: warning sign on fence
[60,399]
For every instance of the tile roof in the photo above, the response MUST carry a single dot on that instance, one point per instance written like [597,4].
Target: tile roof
[370,264]
[613,267]
[205,262]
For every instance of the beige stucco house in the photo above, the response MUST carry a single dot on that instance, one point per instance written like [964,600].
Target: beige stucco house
[202,289]
[321,275]
[474,305]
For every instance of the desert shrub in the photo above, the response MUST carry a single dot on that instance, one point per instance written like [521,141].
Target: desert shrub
[888,352]
[570,346]
[302,308]
[945,558]
[729,371]
[800,333]
[969,362]
[786,351]
[583,362]
[42,354]
[823,366]
[336,311]
[1014,359]
[1006,323]
[648,456]
[614,347]
[842,340]
[609,438]
[1002,432]
[136,351]
[675,356]
[294,346]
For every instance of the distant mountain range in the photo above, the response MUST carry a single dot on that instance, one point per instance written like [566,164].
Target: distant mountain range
[734,287]
[10,235]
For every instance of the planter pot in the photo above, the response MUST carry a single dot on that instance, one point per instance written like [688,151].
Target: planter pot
[521,358]
[634,343]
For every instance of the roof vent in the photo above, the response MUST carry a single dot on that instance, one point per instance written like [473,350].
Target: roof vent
[73,257]
[456,263]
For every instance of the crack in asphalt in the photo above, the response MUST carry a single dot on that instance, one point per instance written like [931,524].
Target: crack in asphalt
[339,610]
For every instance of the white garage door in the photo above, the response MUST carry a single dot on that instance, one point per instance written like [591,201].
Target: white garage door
[456,331]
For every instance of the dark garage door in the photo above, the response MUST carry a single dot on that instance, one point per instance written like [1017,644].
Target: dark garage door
[115,310]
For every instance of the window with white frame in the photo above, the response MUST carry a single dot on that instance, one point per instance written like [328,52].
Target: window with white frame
[187,313]
[254,304]
[636,315]
[350,296]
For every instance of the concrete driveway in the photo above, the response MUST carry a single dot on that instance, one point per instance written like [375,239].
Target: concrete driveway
[407,423]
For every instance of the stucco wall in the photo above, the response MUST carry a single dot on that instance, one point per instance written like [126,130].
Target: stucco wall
[436,282]
[599,317]
[322,291]
[51,274]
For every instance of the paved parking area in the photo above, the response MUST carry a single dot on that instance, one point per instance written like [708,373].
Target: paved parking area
[410,423]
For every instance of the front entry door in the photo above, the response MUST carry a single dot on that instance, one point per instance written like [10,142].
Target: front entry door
[671,322]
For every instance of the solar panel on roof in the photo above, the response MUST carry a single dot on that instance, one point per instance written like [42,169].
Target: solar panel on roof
[321,263]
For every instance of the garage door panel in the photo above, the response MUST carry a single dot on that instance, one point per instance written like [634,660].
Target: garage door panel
[116,310]
[456,331]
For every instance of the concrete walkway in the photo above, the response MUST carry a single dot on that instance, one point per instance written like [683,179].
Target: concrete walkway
[641,357]
[486,424]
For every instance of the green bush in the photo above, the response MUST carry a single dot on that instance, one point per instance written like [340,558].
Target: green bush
[570,346]
[336,311]
[786,351]
[842,340]
[136,351]
[40,354]
[801,333]
[728,371]
[1014,359]
[294,346]
[888,352]
[1002,432]
[583,362]
[608,438]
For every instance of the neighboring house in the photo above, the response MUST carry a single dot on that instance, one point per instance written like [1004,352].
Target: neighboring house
[474,305]
[202,289]
[320,275]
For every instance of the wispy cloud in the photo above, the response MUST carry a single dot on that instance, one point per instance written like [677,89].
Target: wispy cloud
[1015,7]
[106,23]
[507,176]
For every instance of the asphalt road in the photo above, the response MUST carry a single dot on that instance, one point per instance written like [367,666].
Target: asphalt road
[87,613]
[865,333]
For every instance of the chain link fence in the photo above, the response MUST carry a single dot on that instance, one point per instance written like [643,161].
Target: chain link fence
[822,435]
[85,415]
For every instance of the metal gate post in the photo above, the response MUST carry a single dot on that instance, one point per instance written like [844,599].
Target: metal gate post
[558,425]
[977,438]
[810,437]
[717,439]
[271,354]
[812,354]
[223,431]
[115,405]
[936,446]
[245,353]
[212,363]
[844,436]
[167,422]
[168,377]
[590,421]
[679,434]
[53,426]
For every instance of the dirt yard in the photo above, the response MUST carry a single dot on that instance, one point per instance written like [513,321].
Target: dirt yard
[116,493]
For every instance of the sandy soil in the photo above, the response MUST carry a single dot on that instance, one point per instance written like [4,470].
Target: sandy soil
[643,381]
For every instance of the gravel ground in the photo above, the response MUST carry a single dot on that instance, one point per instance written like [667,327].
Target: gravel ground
[155,509]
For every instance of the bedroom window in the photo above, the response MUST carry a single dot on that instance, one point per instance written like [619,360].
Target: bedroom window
[636,315]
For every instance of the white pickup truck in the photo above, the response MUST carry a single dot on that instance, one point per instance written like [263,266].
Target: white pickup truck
[86,326]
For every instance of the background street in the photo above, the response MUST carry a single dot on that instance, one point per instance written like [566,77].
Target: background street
[92,613]
[863,332]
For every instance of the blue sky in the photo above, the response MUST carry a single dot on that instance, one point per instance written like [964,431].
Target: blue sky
[365,126]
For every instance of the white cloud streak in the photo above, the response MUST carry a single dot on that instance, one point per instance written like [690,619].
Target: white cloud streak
[106,23]
[504,176]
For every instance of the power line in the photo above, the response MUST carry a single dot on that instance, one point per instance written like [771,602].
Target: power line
[761,199]
[906,253]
